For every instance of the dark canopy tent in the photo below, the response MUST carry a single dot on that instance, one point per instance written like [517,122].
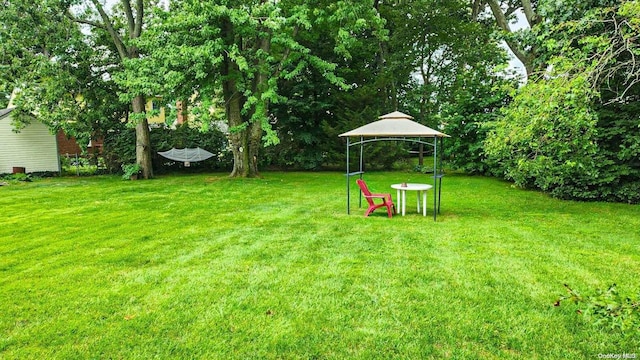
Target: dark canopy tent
[397,126]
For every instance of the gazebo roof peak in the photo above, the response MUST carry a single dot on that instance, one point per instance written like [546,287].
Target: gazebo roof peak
[396,115]
[395,124]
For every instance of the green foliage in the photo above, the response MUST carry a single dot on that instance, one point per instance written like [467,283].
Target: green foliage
[59,70]
[130,170]
[119,147]
[64,56]
[82,165]
[619,147]
[240,51]
[546,138]
[464,83]
[468,116]
[381,71]
[607,308]
[23,177]
[573,132]
[5,93]
[303,142]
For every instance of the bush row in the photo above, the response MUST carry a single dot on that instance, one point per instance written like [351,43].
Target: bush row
[119,148]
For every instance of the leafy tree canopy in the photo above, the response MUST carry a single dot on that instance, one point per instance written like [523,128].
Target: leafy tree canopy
[244,48]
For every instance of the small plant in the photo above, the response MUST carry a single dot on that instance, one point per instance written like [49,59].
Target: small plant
[606,308]
[129,171]
[17,177]
[423,169]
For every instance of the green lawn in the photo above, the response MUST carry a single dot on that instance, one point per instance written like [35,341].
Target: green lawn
[201,266]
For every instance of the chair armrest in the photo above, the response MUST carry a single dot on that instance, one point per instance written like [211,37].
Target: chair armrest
[380,196]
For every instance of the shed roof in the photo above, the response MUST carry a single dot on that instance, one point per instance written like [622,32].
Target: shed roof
[395,124]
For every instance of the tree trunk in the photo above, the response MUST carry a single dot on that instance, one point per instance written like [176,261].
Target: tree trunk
[239,148]
[133,30]
[255,131]
[143,150]
[183,111]
[234,101]
[245,149]
[255,143]
[242,148]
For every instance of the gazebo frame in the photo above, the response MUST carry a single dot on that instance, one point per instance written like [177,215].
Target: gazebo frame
[397,126]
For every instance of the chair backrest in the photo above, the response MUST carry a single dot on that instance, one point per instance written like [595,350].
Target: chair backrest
[365,190]
[363,187]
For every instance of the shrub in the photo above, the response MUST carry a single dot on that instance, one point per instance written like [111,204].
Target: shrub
[606,308]
[18,177]
[129,170]
[467,118]
[546,139]
[119,147]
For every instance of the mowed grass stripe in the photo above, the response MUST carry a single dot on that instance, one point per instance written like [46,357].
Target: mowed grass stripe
[202,266]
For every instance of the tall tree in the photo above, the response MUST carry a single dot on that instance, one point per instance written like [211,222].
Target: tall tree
[59,77]
[244,47]
[316,110]
[123,35]
[453,78]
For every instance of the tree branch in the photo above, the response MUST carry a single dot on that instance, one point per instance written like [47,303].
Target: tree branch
[502,22]
[122,50]
[287,51]
[529,13]
[86,22]
[131,23]
[498,14]
[139,16]
[476,6]
[510,11]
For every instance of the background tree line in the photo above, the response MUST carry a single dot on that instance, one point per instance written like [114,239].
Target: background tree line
[292,76]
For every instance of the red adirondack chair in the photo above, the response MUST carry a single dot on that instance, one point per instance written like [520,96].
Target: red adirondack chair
[386,199]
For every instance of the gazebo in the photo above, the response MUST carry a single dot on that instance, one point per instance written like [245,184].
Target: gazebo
[397,126]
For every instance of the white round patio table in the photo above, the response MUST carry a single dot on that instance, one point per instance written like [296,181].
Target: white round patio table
[401,192]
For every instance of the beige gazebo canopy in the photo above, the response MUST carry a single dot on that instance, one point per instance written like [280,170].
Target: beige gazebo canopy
[397,126]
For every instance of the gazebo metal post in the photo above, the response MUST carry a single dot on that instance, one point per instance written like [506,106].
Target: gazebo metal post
[361,166]
[348,180]
[440,172]
[435,180]
[349,173]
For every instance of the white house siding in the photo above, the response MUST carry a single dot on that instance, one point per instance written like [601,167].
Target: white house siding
[33,148]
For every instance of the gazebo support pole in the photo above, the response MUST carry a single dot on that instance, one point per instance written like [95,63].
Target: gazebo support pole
[348,180]
[361,165]
[440,173]
[435,179]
